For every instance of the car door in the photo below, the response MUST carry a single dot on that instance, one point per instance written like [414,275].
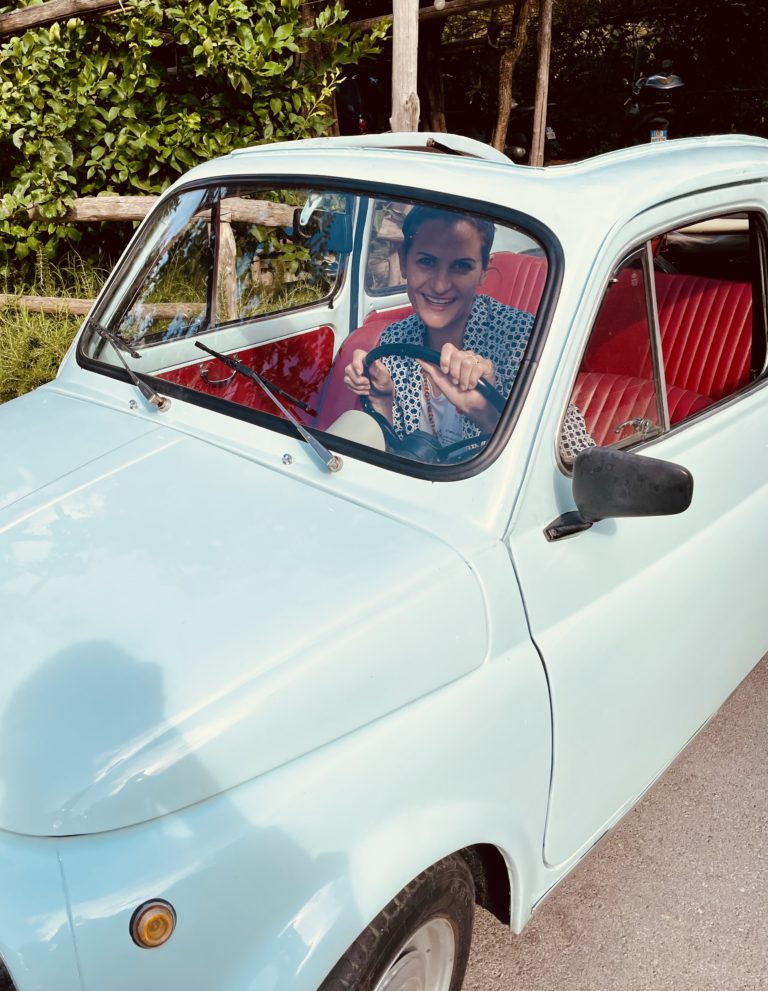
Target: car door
[646,625]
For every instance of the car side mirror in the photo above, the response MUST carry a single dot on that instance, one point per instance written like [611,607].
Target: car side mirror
[608,483]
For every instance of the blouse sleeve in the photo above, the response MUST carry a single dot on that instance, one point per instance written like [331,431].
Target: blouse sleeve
[574,436]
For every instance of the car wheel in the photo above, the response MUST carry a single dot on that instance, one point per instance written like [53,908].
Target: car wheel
[419,942]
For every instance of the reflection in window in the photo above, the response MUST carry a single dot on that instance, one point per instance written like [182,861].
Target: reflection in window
[279,253]
[237,255]
[237,294]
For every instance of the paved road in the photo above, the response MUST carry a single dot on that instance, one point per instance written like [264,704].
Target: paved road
[676,898]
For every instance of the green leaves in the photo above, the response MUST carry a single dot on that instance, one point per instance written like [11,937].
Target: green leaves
[126,103]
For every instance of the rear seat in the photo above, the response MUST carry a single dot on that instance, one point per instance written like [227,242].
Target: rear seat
[706,340]
[607,400]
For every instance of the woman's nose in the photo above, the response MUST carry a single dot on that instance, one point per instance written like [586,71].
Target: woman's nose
[441,280]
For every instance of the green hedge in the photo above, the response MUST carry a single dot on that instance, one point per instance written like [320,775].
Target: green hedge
[126,102]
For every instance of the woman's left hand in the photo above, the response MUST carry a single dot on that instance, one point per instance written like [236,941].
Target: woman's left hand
[457,377]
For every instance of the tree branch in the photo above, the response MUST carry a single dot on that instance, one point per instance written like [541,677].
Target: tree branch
[432,14]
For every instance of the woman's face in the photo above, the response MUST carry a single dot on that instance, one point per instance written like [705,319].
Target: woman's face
[443,270]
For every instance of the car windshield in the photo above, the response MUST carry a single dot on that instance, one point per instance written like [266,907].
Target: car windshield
[398,325]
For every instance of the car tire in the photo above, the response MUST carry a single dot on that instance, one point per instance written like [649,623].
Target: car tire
[420,941]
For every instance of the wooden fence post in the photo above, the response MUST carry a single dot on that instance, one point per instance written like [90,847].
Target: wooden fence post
[405,50]
[542,85]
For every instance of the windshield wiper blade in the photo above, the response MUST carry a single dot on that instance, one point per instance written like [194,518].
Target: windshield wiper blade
[161,403]
[331,461]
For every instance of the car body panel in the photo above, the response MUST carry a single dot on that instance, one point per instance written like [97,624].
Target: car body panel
[272,879]
[273,694]
[255,680]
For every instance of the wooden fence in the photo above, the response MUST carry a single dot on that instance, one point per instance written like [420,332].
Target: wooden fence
[234,209]
[87,209]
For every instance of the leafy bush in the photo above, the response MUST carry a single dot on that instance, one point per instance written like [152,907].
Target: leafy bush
[127,102]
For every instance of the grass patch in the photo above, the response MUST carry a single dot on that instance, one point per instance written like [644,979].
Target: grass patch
[32,345]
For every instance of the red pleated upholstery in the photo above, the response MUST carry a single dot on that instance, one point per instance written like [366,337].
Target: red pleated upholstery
[607,400]
[517,280]
[706,333]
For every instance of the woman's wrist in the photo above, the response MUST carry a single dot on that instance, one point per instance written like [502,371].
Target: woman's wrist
[382,404]
[485,416]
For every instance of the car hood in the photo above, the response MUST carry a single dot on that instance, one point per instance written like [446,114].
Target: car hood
[178,619]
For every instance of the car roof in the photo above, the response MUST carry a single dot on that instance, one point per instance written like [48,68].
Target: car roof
[604,189]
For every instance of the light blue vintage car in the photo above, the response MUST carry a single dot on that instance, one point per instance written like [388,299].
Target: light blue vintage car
[394,521]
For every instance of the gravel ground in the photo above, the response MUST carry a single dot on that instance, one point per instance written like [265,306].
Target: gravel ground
[675,898]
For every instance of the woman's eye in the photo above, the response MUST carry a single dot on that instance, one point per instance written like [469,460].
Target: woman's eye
[426,262]
[463,266]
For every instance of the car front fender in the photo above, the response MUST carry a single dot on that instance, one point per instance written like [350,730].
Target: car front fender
[274,879]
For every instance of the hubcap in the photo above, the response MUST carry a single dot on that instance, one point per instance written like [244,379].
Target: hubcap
[424,962]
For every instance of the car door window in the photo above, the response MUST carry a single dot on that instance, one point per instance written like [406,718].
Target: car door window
[676,333]
[617,387]
[711,345]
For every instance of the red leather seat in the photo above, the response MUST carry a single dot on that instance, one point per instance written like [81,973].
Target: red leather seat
[517,280]
[607,400]
[706,334]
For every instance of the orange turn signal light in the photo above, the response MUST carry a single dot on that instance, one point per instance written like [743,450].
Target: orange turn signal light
[152,923]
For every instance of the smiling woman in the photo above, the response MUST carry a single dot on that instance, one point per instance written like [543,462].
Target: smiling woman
[444,257]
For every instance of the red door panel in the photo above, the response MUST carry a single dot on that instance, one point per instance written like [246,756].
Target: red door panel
[298,365]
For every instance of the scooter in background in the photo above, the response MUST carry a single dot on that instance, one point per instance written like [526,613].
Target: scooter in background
[651,108]
[520,133]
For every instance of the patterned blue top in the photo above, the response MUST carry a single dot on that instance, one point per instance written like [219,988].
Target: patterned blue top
[494,331]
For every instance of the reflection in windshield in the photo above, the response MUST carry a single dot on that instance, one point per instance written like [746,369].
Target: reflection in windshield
[263,274]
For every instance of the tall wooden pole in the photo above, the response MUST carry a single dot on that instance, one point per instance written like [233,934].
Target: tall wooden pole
[542,85]
[405,53]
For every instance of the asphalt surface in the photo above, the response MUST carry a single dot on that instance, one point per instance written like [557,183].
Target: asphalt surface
[676,897]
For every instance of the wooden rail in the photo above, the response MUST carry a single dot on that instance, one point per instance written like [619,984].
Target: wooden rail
[234,209]
[48,304]
[53,10]
[61,10]
[61,305]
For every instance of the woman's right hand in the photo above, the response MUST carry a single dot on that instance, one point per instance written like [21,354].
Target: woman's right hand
[376,384]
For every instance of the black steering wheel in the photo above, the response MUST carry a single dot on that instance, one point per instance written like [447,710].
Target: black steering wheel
[420,445]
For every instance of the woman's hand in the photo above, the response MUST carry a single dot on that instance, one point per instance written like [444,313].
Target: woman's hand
[457,377]
[377,384]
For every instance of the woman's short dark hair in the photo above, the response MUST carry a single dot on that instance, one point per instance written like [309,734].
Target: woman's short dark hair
[421,214]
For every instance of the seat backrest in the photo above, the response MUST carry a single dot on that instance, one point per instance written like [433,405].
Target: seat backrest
[512,278]
[517,280]
[706,333]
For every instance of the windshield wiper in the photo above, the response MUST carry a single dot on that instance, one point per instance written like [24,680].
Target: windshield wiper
[331,461]
[161,403]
